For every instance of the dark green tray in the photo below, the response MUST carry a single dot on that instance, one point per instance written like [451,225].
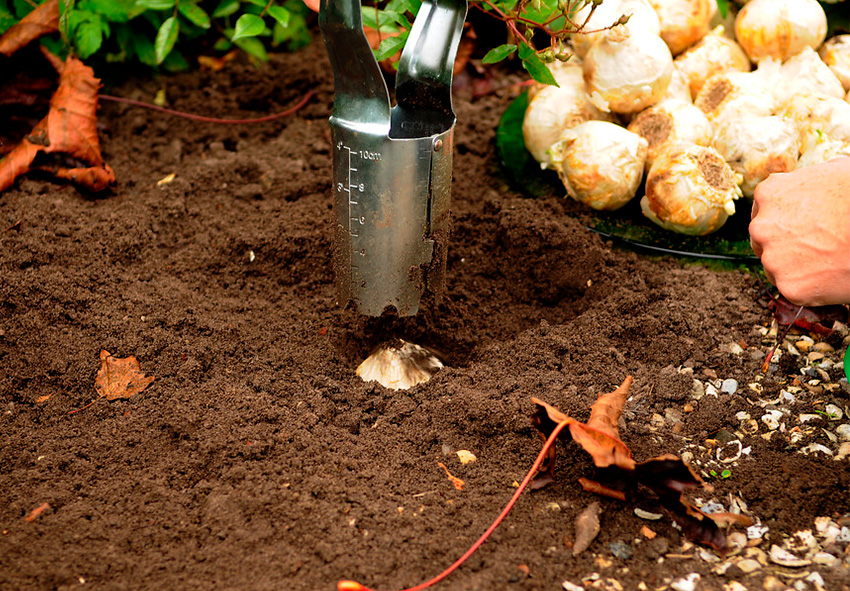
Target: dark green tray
[628,225]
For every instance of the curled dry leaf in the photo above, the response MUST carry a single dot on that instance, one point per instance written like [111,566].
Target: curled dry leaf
[120,378]
[587,528]
[41,21]
[69,130]
[619,476]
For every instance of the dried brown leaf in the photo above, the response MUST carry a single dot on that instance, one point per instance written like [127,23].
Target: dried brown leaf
[600,436]
[70,128]
[587,528]
[41,21]
[600,489]
[120,378]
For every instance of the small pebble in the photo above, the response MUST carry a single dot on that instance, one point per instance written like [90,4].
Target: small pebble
[816,579]
[843,432]
[647,515]
[734,586]
[729,386]
[843,451]
[825,559]
[710,390]
[817,447]
[823,347]
[805,418]
[748,565]
[621,550]
[804,345]
[686,583]
[814,356]
[756,532]
[571,586]
[713,507]
[736,540]
[783,557]
[771,419]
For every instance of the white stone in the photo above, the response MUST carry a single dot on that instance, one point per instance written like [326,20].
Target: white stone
[843,450]
[571,586]
[817,447]
[826,559]
[802,541]
[734,586]
[756,532]
[783,557]
[742,415]
[649,516]
[748,565]
[843,431]
[771,418]
[686,583]
[805,418]
[816,579]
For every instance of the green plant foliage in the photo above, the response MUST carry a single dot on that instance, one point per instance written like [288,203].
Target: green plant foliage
[156,32]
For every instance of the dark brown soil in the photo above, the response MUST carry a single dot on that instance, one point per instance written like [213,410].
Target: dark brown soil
[257,459]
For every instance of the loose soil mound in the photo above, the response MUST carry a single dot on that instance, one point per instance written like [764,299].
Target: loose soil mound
[257,459]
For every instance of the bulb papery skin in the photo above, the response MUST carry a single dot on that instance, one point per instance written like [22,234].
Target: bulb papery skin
[678,88]
[683,22]
[714,54]
[756,147]
[835,53]
[552,110]
[734,95]
[691,190]
[818,116]
[569,73]
[600,163]
[780,28]
[805,73]
[642,18]
[822,148]
[671,122]
[625,72]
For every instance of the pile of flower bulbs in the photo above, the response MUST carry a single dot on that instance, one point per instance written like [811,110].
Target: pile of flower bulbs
[705,116]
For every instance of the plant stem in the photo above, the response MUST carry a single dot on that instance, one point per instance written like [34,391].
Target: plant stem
[355,586]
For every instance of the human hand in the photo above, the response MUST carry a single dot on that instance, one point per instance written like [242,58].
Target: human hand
[800,229]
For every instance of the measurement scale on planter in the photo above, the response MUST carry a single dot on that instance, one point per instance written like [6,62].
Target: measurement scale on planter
[391,165]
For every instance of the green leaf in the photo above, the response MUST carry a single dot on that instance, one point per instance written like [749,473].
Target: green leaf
[499,53]
[6,20]
[390,46]
[225,8]
[144,49]
[223,44]
[155,4]
[166,37]
[87,39]
[113,11]
[535,66]
[723,7]
[261,3]
[248,25]
[280,14]
[194,14]
[253,47]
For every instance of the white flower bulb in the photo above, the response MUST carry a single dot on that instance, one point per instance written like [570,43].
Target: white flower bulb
[553,109]
[805,73]
[714,54]
[683,22]
[642,17]
[626,71]
[818,117]
[835,53]
[600,163]
[780,28]
[756,147]
[691,190]
[734,95]
[671,122]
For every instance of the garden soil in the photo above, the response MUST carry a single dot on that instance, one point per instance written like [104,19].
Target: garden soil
[258,460]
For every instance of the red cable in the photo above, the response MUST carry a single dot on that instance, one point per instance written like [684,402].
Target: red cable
[289,111]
